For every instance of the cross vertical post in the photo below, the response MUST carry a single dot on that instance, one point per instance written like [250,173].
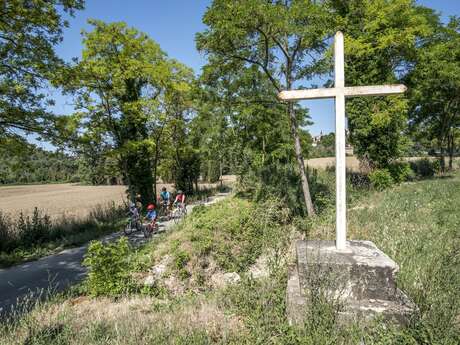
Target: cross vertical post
[339,92]
[340,159]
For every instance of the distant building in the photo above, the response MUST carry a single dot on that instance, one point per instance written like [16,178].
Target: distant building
[317,139]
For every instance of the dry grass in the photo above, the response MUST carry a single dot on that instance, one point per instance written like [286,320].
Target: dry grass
[134,320]
[352,162]
[323,163]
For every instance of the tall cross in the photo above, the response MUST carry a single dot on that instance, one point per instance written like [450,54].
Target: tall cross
[339,92]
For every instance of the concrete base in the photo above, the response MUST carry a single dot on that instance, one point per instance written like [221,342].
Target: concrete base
[360,279]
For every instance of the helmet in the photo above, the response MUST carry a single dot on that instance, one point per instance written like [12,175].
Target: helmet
[150,207]
[179,192]
[163,189]
[132,205]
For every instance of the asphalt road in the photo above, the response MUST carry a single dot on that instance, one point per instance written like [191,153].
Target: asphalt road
[23,284]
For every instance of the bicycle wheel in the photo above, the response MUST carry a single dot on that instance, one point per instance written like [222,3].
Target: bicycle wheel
[128,228]
[176,216]
[146,231]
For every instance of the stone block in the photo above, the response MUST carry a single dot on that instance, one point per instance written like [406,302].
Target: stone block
[362,278]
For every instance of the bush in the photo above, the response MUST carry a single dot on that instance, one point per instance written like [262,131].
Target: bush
[108,268]
[424,167]
[34,230]
[381,179]
[401,172]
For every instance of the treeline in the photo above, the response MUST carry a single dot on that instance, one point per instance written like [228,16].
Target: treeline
[35,165]
[142,116]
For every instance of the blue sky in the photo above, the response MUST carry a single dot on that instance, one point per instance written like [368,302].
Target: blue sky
[173,25]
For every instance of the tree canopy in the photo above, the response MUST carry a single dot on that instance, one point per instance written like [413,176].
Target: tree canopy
[29,32]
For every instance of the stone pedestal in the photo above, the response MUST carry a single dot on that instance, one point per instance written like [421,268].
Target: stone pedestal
[361,279]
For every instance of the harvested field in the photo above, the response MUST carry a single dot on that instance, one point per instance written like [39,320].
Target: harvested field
[67,199]
[352,162]
[323,163]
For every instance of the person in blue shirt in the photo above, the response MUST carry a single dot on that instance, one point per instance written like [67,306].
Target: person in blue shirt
[165,197]
[151,215]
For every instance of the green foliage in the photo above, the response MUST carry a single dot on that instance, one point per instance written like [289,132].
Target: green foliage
[35,229]
[29,31]
[417,225]
[234,232]
[425,167]
[140,101]
[435,82]
[283,42]
[381,179]
[34,165]
[381,37]
[108,268]
[31,237]
[324,148]
[401,172]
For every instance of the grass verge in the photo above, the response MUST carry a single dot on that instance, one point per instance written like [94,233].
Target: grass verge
[30,238]
[417,224]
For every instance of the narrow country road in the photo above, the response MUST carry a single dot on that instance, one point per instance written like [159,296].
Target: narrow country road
[54,273]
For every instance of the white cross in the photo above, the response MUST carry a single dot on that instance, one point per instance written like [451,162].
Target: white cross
[339,92]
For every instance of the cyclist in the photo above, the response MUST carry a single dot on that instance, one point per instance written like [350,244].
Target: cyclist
[180,199]
[133,211]
[151,216]
[165,197]
[138,203]
[165,201]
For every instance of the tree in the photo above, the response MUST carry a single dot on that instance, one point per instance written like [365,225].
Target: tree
[241,128]
[120,86]
[435,91]
[29,30]
[283,39]
[380,42]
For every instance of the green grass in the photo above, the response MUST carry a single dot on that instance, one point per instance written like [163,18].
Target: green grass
[417,224]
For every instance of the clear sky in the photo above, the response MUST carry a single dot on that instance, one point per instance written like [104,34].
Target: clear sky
[173,25]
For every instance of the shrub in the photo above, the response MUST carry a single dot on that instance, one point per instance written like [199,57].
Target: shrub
[381,179]
[108,268]
[34,230]
[401,172]
[424,167]
[6,235]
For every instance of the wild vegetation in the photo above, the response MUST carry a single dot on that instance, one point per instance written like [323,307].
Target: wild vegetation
[186,303]
[140,116]
[29,237]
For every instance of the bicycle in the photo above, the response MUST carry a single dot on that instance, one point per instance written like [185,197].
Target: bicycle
[179,212]
[150,228]
[133,224]
[164,210]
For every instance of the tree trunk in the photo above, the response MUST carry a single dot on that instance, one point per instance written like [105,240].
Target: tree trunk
[300,160]
[220,172]
[442,158]
[155,165]
[450,148]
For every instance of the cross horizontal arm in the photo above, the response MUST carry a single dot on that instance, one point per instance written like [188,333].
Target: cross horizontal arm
[381,90]
[292,95]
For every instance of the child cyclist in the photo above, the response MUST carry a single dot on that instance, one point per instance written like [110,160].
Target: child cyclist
[151,216]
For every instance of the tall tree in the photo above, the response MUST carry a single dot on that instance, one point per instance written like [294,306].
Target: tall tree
[29,31]
[120,86]
[381,37]
[435,91]
[283,39]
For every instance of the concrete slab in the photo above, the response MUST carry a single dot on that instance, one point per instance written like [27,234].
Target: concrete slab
[361,278]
